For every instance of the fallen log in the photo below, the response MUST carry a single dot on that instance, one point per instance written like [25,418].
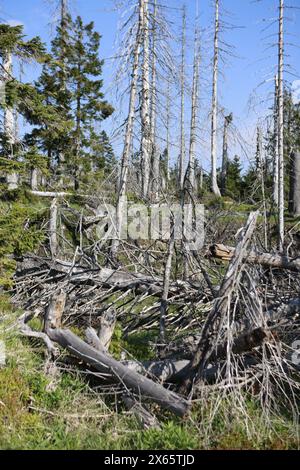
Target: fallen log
[105,364]
[226,253]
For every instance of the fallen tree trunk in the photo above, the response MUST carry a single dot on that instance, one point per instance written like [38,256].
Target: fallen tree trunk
[105,364]
[226,253]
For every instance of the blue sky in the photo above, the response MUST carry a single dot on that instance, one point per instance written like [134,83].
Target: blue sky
[254,62]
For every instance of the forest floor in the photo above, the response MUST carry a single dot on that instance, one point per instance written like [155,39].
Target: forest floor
[41,408]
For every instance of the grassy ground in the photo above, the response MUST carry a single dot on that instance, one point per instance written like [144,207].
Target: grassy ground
[43,409]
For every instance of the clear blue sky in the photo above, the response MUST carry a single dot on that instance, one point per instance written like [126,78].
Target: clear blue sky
[255,62]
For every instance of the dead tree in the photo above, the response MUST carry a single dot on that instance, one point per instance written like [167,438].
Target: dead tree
[166,286]
[9,123]
[221,305]
[145,101]
[226,253]
[194,112]
[295,183]
[122,184]
[227,122]
[280,127]
[214,111]
[275,149]
[53,228]
[181,170]
[155,160]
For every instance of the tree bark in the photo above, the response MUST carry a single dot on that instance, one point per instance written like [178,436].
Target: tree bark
[280,128]
[145,103]
[226,253]
[53,228]
[182,105]
[105,364]
[227,122]
[275,156]
[194,114]
[122,185]
[214,114]
[295,183]
[154,152]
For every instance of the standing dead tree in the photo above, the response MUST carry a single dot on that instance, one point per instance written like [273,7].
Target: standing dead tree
[145,100]
[280,127]
[122,184]
[182,105]
[194,113]
[214,111]
[227,122]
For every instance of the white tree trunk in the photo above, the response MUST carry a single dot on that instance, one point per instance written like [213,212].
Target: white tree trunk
[145,103]
[280,129]
[194,112]
[275,156]
[53,228]
[155,154]
[9,124]
[214,118]
[168,132]
[34,179]
[182,106]
[122,185]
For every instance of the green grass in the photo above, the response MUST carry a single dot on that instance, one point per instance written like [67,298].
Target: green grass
[40,410]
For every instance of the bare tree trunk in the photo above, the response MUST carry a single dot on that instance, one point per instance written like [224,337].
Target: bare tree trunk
[63,21]
[261,177]
[168,117]
[280,128]
[34,179]
[182,112]
[275,156]
[295,183]
[145,102]
[227,122]
[155,154]
[9,124]
[121,201]
[214,117]
[195,98]
[166,285]
[53,228]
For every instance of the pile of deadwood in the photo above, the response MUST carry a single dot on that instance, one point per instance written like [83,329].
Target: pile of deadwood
[223,335]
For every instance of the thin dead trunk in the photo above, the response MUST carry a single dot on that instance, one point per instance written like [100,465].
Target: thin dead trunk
[34,179]
[53,228]
[155,154]
[122,185]
[194,115]
[275,156]
[167,163]
[145,103]
[227,122]
[295,176]
[9,124]
[214,113]
[182,106]
[280,128]
[166,286]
